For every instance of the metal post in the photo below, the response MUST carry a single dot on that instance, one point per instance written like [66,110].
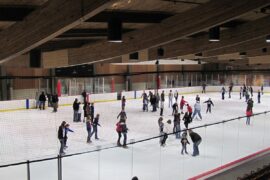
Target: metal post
[28,171]
[59,167]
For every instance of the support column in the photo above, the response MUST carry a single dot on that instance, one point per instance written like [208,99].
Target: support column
[3,85]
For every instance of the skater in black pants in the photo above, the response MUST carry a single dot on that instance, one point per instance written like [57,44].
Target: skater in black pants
[161,107]
[175,108]
[92,111]
[251,91]
[184,142]
[119,131]
[209,105]
[230,90]
[165,132]
[42,100]
[223,91]
[124,130]
[259,96]
[186,119]
[154,103]
[177,125]
[61,137]
[55,102]
[241,90]
[95,127]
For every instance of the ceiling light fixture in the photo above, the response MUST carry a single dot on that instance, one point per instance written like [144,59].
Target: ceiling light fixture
[214,34]
[115,30]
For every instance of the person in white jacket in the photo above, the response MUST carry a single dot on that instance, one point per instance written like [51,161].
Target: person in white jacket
[166,131]
[197,110]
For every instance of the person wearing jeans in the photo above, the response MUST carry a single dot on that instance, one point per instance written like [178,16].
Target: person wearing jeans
[124,130]
[95,127]
[197,110]
[196,139]
[76,107]
[88,128]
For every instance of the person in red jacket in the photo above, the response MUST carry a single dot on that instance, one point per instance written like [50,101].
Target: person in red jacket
[182,103]
[189,109]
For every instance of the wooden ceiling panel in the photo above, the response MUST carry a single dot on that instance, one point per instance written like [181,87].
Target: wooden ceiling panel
[23,2]
[156,5]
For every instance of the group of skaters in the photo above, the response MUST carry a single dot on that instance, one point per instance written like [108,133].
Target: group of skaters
[157,101]
[42,98]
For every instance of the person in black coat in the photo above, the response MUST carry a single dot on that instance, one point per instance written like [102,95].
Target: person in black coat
[61,137]
[84,94]
[95,127]
[55,102]
[92,111]
[76,107]
[42,100]
[196,139]
[153,101]
[186,119]
[162,96]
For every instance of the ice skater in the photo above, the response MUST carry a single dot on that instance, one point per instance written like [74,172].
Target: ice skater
[240,92]
[184,142]
[262,89]
[248,114]
[230,90]
[88,129]
[61,137]
[145,103]
[251,91]
[75,110]
[161,108]
[197,110]
[166,130]
[124,131]
[223,91]
[92,111]
[247,96]
[203,88]
[190,111]
[177,125]
[153,101]
[161,127]
[175,108]
[259,96]
[196,139]
[67,129]
[182,103]
[123,102]
[170,98]
[244,90]
[95,125]
[250,104]
[42,101]
[119,131]
[187,120]
[176,95]
[122,115]
[197,98]
[55,102]
[209,103]
[157,100]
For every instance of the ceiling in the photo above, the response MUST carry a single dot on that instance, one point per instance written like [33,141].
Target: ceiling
[136,15]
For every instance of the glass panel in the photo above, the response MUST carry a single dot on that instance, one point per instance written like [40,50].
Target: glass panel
[14,172]
[44,170]
[83,167]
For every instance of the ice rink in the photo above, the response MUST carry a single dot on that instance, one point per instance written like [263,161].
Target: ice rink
[32,134]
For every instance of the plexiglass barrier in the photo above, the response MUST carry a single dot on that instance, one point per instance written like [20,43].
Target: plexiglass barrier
[222,142]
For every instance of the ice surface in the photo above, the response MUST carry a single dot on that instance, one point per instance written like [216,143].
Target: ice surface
[32,134]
